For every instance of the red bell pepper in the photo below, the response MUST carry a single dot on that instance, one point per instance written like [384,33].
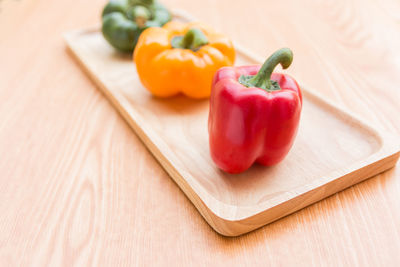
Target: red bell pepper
[254,114]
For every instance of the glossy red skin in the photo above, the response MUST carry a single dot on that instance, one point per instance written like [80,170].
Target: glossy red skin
[248,125]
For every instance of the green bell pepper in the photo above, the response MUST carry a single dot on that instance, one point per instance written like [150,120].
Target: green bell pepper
[124,21]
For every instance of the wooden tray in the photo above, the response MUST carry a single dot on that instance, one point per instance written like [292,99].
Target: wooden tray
[333,149]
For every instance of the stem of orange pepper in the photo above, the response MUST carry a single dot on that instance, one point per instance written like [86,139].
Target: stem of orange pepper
[193,39]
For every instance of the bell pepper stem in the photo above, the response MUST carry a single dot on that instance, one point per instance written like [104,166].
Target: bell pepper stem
[148,2]
[262,79]
[193,39]
[141,14]
[140,2]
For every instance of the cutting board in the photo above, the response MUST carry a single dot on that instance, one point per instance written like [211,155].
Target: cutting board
[333,149]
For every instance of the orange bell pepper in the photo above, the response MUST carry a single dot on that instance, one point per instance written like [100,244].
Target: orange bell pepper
[181,58]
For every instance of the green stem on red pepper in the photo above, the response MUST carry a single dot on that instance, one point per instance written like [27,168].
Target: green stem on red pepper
[262,79]
[193,39]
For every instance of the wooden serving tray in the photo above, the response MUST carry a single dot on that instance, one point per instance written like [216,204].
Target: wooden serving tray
[333,149]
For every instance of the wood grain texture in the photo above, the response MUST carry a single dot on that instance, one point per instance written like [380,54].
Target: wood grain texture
[333,149]
[77,187]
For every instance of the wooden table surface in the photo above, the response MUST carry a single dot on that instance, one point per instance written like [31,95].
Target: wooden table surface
[77,187]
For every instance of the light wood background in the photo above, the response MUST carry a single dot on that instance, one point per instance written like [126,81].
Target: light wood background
[77,187]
